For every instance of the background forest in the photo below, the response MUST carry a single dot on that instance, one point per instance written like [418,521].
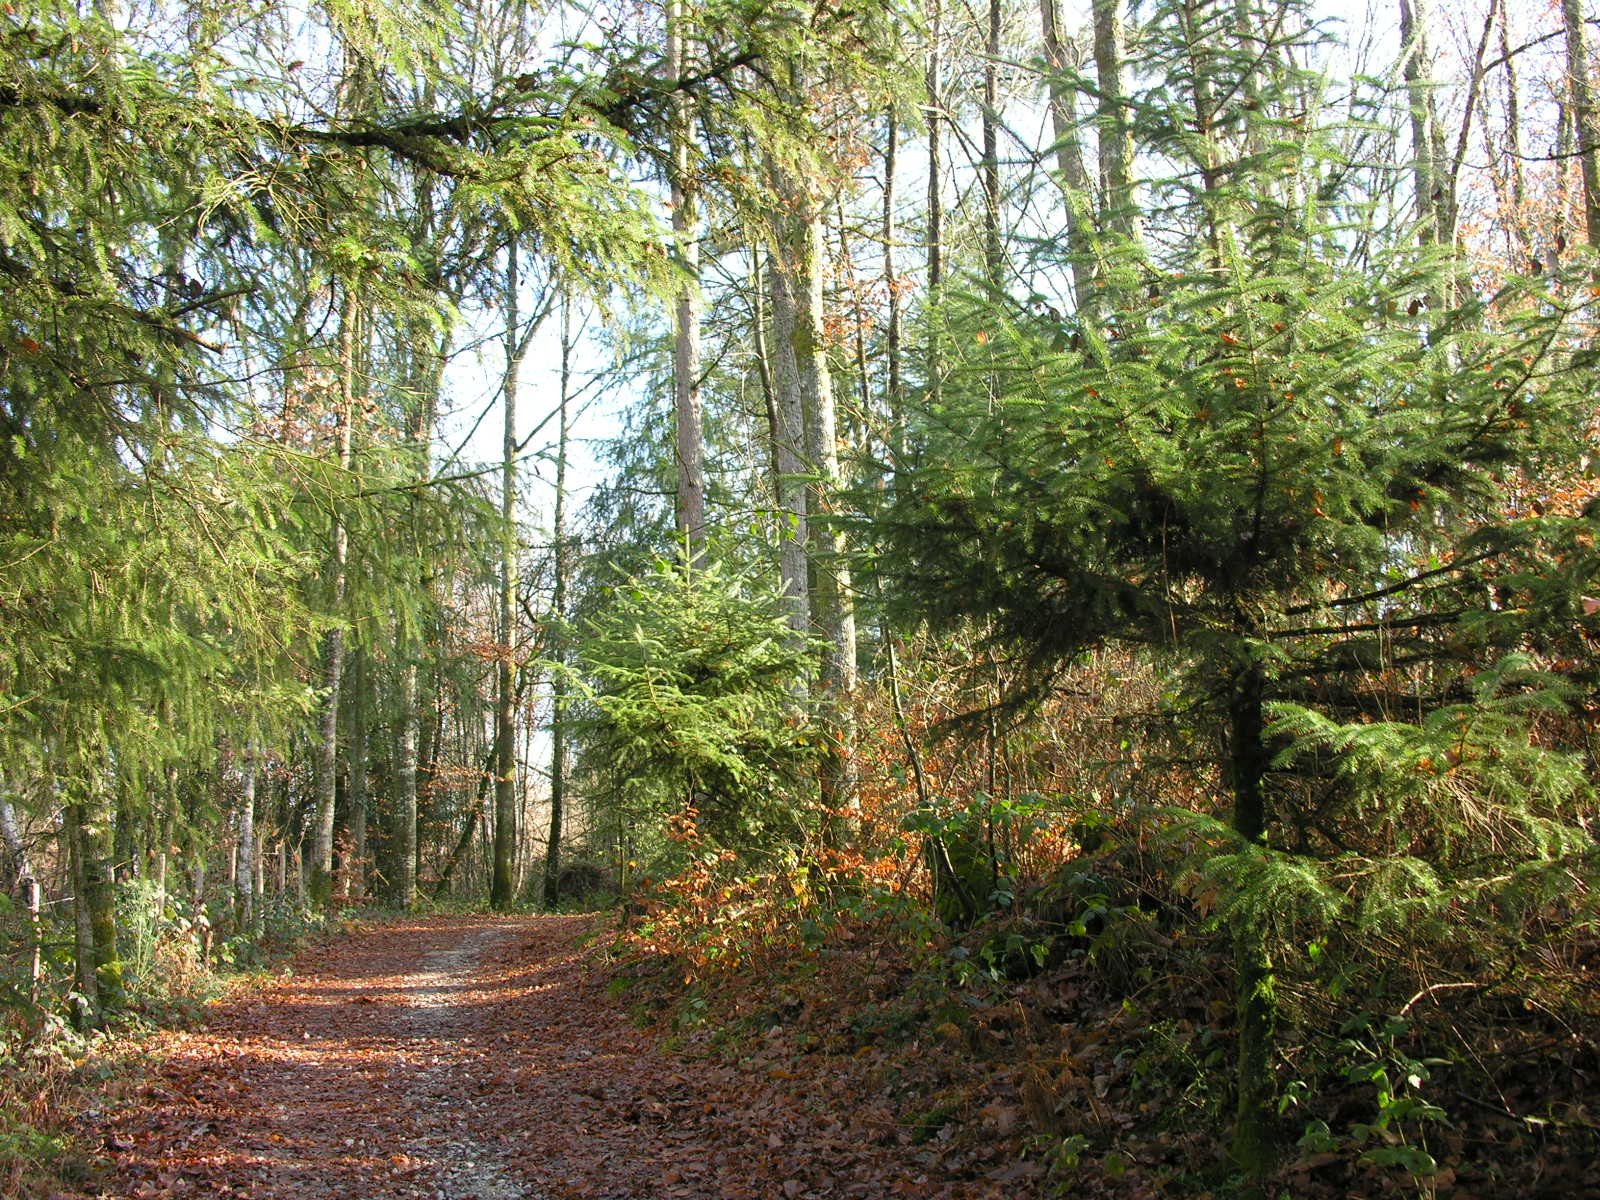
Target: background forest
[1095,493]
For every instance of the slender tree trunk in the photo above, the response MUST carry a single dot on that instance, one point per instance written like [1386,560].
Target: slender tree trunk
[1414,70]
[245,881]
[1213,200]
[799,327]
[894,388]
[688,434]
[356,764]
[934,85]
[763,353]
[476,813]
[993,257]
[165,821]
[832,600]
[124,842]
[427,370]
[20,873]
[86,984]
[1069,156]
[1246,753]
[857,425]
[1562,155]
[327,763]
[16,866]
[788,441]
[1522,239]
[430,737]
[1119,210]
[502,890]
[403,886]
[558,638]
[1451,165]
[99,976]
[1584,119]
[441,886]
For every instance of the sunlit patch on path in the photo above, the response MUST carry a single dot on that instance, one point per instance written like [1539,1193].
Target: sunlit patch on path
[473,1058]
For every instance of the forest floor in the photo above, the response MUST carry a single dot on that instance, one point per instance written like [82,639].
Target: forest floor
[476,1058]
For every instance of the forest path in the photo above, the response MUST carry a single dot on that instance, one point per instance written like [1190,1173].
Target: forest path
[475,1058]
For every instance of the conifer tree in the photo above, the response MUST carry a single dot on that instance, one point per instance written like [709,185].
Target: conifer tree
[1282,474]
[691,712]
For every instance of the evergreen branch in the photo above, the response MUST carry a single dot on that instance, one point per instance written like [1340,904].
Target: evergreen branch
[402,138]
[206,301]
[156,319]
[1395,588]
[1384,699]
[1415,621]
[619,109]
[66,103]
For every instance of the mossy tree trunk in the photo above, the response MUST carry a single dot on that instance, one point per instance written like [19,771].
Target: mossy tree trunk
[1253,1145]
[99,966]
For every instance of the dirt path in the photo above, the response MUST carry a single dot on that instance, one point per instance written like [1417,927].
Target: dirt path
[473,1058]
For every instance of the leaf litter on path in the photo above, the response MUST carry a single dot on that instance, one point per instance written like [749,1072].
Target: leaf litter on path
[475,1058]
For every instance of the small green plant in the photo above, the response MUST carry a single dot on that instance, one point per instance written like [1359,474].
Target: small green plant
[1060,1157]
[1181,1065]
[691,1012]
[1397,1136]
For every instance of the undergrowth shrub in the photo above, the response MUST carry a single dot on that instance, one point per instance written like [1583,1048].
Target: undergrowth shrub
[39,1055]
[50,1070]
[162,948]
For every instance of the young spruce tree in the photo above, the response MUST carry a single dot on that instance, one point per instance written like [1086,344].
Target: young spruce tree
[691,710]
[1281,471]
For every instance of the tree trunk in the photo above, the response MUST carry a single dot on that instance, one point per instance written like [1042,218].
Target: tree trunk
[798,287]
[327,763]
[86,1009]
[1520,232]
[934,85]
[832,601]
[558,640]
[1253,1147]
[165,821]
[245,881]
[1119,212]
[993,258]
[19,872]
[502,890]
[356,764]
[16,866]
[763,354]
[1425,167]
[787,417]
[1069,156]
[427,370]
[430,736]
[99,968]
[404,884]
[894,388]
[1584,119]
[688,434]
[464,842]
[1218,229]
[125,859]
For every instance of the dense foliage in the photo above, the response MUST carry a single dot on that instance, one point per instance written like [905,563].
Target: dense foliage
[699,713]
[1163,544]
